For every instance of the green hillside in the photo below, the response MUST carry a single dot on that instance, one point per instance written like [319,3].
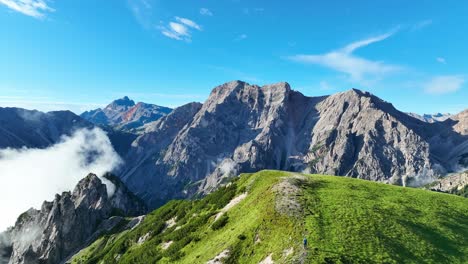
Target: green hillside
[345,221]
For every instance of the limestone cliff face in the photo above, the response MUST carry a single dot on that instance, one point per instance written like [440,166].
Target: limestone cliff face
[61,227]
[361,136]
[246,128]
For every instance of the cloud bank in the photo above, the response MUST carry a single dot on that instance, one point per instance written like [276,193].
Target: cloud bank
[31,176]
[33,8]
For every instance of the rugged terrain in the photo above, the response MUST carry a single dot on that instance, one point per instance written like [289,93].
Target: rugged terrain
[71,221]
[439,117]
[246,128]
[125,114]
[265,216]
[30,128]
[455,183]
[240,128]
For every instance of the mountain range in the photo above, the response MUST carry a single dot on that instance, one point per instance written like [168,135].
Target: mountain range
[246,128]
[439,117]
[192,150]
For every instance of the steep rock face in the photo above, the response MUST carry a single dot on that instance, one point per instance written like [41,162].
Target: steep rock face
[362,136]
[142,170]
[31,128]
[462,122]
[125,114]
[246,128]
[61,227]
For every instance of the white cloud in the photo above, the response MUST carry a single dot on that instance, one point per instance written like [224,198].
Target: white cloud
[180,29]
[205,12]
[188,23]
[343,60]
[31,176]
[33,8]
[241,37]
[142,11]
[441,60]
[444,84]
[422,24]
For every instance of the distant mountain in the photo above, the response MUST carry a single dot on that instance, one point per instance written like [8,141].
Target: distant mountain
[31,128]
[246,128]
[125,114]
[34,129]
[431,118]
[71,221]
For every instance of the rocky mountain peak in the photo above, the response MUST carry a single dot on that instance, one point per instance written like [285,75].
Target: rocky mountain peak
[124,101]
[64,225]
[124,114]
[243,128]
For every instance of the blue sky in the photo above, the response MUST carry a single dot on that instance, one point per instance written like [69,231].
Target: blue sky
[82,54]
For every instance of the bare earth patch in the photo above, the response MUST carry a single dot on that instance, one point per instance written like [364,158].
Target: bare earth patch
[170,223]
[267,260]
[166,245]
[288,251]
[218,259]
[142,239]
[231,204]
[286,201]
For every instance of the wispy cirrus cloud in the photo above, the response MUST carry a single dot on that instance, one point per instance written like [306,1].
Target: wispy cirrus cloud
[444,84]
[33,8]
[143,11]
[421,24]
[441,60]
[343,60]
[180,29]
[205,12]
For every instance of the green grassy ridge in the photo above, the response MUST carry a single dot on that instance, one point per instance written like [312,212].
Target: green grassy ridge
[345,220]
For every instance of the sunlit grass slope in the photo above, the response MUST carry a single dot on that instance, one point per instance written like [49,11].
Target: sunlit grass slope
[345,221]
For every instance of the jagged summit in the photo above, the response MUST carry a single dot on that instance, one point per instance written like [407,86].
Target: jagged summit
[244,128]
[66,224]
[125,114]
[124,101]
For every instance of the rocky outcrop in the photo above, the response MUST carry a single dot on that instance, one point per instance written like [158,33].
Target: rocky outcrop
[142,169]
[452,183]
[246,128]
[66,224]
[125,114]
